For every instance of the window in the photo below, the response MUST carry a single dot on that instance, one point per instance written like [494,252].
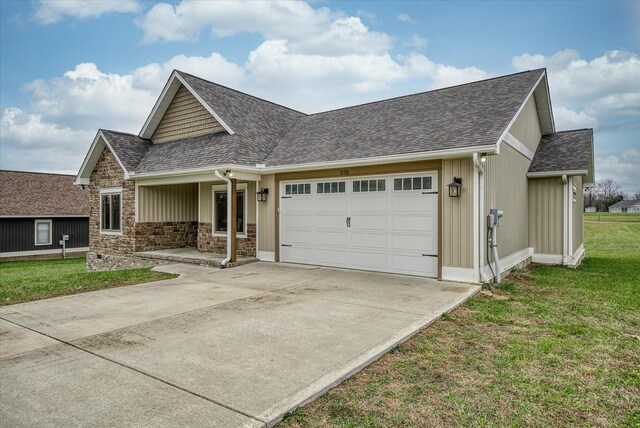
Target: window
[297,189]
[43,232]
[412,183]
[110,210]
[331,187]
[369,186]
[220,210]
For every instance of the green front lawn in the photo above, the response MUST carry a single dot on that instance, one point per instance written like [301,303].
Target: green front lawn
[554,347]
[617,217]
[23,281]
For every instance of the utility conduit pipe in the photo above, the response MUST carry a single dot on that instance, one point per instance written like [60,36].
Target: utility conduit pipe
[223,264]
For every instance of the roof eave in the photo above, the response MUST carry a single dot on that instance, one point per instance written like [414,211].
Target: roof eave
[92,157]
[543,174]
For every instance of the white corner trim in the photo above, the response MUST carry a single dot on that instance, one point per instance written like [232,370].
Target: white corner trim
[518,146]
[266,256]
[576,258]
[42,252]
[136,217]
[458,274]
[508,262]
[547,259]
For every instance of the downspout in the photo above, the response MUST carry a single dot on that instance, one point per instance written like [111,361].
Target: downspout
[481,219]
[565,219]
[223,264]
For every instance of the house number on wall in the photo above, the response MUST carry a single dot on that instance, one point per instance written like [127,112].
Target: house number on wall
[344,172]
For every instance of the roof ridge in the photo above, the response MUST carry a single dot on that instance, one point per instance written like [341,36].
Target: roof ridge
[37,172]
[240,92]
[425,92]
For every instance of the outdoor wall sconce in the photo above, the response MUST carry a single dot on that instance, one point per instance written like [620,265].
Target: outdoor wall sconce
[483,157]
[262,194]
[455,188]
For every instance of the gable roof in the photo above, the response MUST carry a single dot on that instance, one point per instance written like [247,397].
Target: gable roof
[565,152]
[626,203]
[41,194]
[469,115]
[449,121]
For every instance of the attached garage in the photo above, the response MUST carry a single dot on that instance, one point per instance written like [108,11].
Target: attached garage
[383,223]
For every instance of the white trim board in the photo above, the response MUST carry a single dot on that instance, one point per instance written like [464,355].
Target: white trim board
[42,252]
[458,274]
[508,262]
[547,259]
[266,256]
[518,146]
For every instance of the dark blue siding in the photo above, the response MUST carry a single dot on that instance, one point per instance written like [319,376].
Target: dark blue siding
[17,234]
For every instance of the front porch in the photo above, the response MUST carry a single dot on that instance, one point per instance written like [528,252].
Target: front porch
[191,255]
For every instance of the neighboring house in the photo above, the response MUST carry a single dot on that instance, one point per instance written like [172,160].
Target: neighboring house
[626,206]
[364,187]
[36,210]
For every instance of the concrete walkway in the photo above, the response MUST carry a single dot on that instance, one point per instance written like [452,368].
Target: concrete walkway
[234,347]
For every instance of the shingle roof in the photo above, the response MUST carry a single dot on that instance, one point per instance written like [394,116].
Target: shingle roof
[467,115]
[259,123]
[41,194]
[130,149]
[626,203]
[564,151]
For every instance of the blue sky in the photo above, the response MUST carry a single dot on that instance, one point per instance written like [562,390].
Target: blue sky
[67,68]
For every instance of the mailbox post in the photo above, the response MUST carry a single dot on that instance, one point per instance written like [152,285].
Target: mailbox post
[63,242]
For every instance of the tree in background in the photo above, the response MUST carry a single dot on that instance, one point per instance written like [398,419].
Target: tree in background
[636,196]
[604,194]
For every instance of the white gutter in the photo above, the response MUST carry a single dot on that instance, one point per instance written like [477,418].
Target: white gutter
[223,264]
[482,245]
[547,174]
[565,219]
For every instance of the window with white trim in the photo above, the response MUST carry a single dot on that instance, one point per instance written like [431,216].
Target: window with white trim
[412,183]
[110,211]
[220,210]
[297,189]
[43,232]
[369,185]
[331,187]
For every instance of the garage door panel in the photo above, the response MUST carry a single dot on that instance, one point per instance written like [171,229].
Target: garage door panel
[412,223]
[370,240]
[297,204]
[369,222]
[329,238]
[299,221]
[369,260]
[297,254]
[299,236]
[330,221]
[423,244]
[371,204]
[415,203]
[328,204]
[331,256]
[416,265]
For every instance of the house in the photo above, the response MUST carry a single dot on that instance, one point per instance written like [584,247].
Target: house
[404,185]
[36,210]
[626,206]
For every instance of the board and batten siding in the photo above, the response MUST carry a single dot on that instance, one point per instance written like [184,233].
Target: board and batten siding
[18,233]
[206,200]
[267,220]
[526,127]
[457,214]
[545,215]
[577,213]
[174,202]
[185,117]
[506,188]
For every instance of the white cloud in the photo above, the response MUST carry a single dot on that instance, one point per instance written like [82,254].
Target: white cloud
[569,119]
[443,75]
[403,17]
[415,41]
[602,87]
[623,167]
[52,11]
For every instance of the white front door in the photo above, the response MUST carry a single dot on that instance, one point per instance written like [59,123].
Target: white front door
[378,223]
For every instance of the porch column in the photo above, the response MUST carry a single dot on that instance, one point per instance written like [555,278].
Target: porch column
[233,221]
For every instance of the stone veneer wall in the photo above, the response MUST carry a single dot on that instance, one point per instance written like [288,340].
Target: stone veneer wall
[165,235]
[218,244]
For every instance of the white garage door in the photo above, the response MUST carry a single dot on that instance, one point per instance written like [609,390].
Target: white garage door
[381,223]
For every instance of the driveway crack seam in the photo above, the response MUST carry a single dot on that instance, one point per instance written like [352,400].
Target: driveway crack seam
[140,372]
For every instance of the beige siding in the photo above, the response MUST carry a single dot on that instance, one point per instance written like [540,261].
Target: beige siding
[526,127]
[267,221]
[545,212]
[577,212]
[506,189]
[176,202]
[185,117]
[457,215]
[206,198]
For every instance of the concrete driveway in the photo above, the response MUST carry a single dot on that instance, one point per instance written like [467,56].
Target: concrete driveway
[235,347]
